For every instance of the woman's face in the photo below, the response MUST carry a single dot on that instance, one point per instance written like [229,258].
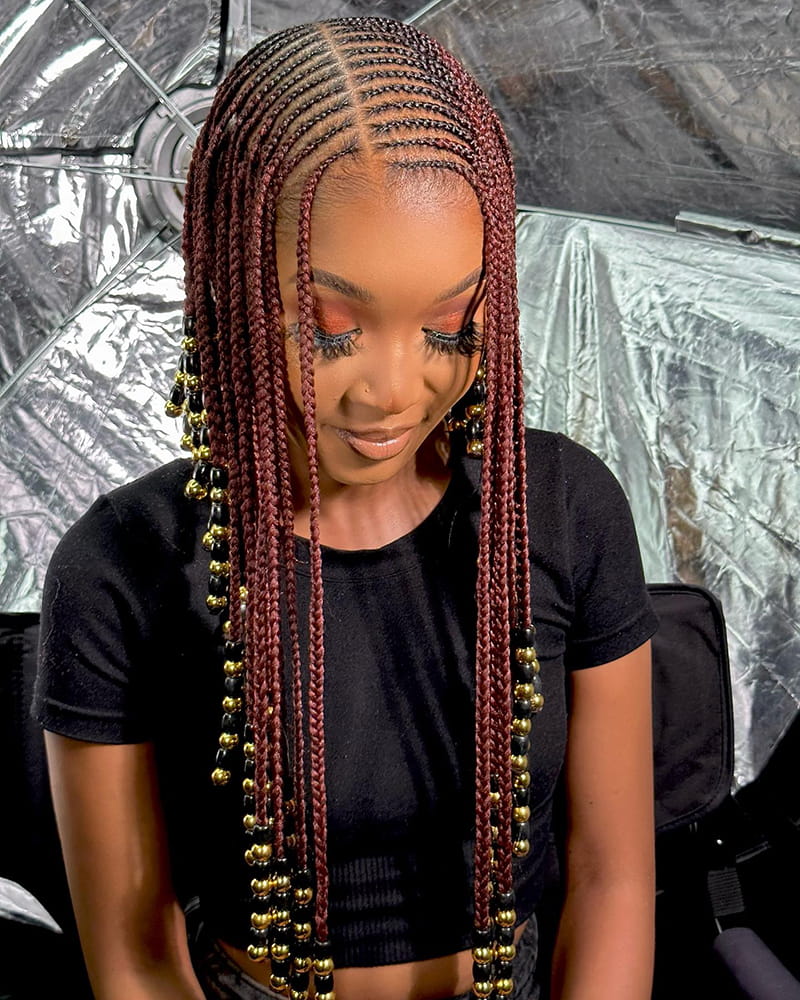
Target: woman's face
[397,287]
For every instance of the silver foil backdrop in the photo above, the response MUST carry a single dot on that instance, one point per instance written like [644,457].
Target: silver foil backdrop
[675,357]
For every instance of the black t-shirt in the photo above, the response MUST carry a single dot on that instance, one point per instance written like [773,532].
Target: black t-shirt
[129,654]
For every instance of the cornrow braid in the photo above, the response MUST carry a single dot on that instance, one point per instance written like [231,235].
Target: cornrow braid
[344,91]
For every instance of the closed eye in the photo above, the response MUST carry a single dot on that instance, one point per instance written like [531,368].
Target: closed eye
[329,346]
[467,341]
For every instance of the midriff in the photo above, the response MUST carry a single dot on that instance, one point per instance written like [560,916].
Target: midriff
[431,979]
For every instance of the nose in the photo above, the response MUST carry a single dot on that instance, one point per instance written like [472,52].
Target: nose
[391,377]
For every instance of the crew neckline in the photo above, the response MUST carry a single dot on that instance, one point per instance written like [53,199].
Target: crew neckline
[434,527]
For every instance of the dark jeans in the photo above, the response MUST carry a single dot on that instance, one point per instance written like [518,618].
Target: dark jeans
[222,979]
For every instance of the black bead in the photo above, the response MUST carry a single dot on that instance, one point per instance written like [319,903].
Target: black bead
[323,984]
[503,970]
[230,722]
[503,901]
[475,428]
[219,514]
[200,437]
[188,326]
[537,684]
[249,769]
[218,585]
[302,879]
[524,637]
[481,937]
[233,686]
[520,745]
[504,935]
[299,981]
[249,804]
[259,936]
[282,968]
[220,551]
[478,392]
[190,363]
[523,671]
[195,402]
[233,649]
[522,796]
[520,831]
[263,834]
[223,759]
[177,396]
[303,914]
[523,709]
[322,950]
[219,477]
[482,972]
[201,472]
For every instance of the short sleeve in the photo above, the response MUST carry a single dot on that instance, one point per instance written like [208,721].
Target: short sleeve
[94,626]
[613,614]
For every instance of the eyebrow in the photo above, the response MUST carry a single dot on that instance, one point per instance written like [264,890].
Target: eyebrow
[339,284]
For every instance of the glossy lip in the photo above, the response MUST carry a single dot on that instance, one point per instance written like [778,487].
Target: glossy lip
[377,444]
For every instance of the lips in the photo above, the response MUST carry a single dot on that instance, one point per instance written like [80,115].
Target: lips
[376,443]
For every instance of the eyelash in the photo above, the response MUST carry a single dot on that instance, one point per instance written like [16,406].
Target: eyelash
[329,347]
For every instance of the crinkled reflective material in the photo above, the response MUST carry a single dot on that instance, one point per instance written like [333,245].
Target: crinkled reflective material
[676,359]
[641,110]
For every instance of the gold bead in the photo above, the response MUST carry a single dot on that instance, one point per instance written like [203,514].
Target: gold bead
[196,419]
[494,798]
[233,668]
[192,382]
[261,886]
[219,531]
[208,540]
[257,952]
[172,409]
[504,987]
[281,917]
[483,988]
[249,750]
[481,372]
[298,994]
[179,378]
[278,983]
[519,762]
[249,821]
[505,952]
[521,727]
[323,966]
[195,491]
[243,593]
[302,931]
[521,848]
[202,454]
[219,495]
[523,691]
[283,882]
[259,921]
[248,786]
[522,780]
[228,740]
[280,952]
[189,344]
[525,654]
[303,896]
[474,447]
[505,918]
[521,814]
[301,963]
[216,603]
[262,852]
[482,955]
[220,568]
[220,776]
[186,442]
[231,705]
[537,701]
[475,410]
[327,996]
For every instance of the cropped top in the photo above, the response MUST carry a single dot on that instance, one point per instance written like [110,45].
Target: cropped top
[128,654]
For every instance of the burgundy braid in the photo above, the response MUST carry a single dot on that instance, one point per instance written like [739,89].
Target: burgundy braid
[293,105]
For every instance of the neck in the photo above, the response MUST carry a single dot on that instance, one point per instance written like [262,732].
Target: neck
[372,515]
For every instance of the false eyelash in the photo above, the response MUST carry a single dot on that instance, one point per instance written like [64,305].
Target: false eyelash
[328,346]
[467,341]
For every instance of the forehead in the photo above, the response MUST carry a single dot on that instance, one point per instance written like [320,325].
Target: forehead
[415,224]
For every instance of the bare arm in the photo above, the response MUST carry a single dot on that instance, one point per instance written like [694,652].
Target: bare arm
[112,833]
[604,949]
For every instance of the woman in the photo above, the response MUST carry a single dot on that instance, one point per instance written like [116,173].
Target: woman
[351,332]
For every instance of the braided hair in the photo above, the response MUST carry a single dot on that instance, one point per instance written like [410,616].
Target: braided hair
[344,91]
